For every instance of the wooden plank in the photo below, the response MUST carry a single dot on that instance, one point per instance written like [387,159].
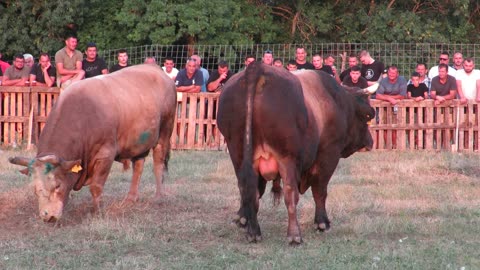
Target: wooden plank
[192,123]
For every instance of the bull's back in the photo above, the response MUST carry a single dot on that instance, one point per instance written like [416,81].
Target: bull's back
[125,108]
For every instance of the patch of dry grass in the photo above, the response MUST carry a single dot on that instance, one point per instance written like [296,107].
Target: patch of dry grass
[389,210]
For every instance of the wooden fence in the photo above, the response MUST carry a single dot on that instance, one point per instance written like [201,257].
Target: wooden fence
[414,126]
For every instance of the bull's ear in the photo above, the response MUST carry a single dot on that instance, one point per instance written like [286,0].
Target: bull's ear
[72,166]
[25,171]
[22,161]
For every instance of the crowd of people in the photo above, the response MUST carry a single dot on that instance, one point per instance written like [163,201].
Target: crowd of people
[440,83]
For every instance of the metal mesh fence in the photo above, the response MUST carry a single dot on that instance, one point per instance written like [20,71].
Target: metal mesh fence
[403,55]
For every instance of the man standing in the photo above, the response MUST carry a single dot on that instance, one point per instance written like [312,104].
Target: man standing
[355,79]
[458,61]
[43,73]
[169,68]
[92,64]
[468,82]
[443,59]
[205,73]
[267,58]
[444,86]
[249,59]
[301,59]
[317,62]
[219,77]
[17,74]
[352,61]
[69,63]
[190,79]
[122,58]
[371,69]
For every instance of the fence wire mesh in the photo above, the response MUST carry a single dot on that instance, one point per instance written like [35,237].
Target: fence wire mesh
[403,55]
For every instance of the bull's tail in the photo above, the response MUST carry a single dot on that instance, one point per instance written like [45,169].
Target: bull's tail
[248,178]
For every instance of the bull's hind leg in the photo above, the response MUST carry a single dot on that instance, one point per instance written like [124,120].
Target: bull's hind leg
[160,163]
[137,165]
[291,178]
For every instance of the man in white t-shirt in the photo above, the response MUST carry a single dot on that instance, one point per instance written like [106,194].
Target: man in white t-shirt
[468,81]
[169,68]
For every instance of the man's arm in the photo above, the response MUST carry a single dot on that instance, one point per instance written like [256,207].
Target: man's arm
[478,90]
[6,81]
[189,89]
[213,85]
[463,99]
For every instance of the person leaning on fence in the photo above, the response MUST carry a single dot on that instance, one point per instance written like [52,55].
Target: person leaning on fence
[392,88]
[189,79]
[444,86]
[122,57]
[68,62]
[17,74]
[93,64]
[205,73]
[3,65]
[219,77]
[468,82]
[29,61]
[417,90]
[371,69]
[421,69]
[43,73]
[169,68]
[355,79]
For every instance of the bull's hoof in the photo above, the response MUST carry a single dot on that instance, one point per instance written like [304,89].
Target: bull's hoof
[294,240]
[254,238]
[131,198]
[240,221]
[322,227]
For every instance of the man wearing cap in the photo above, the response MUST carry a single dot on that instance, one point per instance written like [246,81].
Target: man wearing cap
[68,62]
[267,58]
[92,64]
[219,77]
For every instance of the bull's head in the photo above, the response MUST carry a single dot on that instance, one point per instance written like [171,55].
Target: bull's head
[359,134]
[53,180]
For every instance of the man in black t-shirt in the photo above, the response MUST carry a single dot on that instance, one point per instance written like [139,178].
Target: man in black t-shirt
[43,73]
[301,59]
[92,64]
[219,77]
[371,70]
[354,79]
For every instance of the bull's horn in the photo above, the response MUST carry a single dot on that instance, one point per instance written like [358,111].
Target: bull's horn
[22,161]
[53,159]
[371,89]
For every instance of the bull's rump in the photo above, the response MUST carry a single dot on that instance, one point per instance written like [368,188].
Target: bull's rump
[279,113]
[125,108]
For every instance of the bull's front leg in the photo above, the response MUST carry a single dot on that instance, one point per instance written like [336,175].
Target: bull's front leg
[291,197]
[101,169]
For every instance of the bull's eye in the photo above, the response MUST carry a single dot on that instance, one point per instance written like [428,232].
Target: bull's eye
[57,187]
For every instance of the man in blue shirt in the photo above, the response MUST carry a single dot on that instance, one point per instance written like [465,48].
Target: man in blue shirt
[189,79]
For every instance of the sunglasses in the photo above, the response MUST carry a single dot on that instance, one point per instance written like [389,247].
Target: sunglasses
[268,51]
[443,59]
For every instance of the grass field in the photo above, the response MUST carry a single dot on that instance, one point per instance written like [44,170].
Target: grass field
[388,210]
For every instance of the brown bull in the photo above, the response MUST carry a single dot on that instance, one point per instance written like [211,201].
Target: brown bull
[293,127]
[119,116]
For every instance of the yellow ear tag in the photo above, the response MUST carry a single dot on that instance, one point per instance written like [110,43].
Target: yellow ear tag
[76,168]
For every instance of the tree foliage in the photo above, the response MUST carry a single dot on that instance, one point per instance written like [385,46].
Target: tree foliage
[37,26]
